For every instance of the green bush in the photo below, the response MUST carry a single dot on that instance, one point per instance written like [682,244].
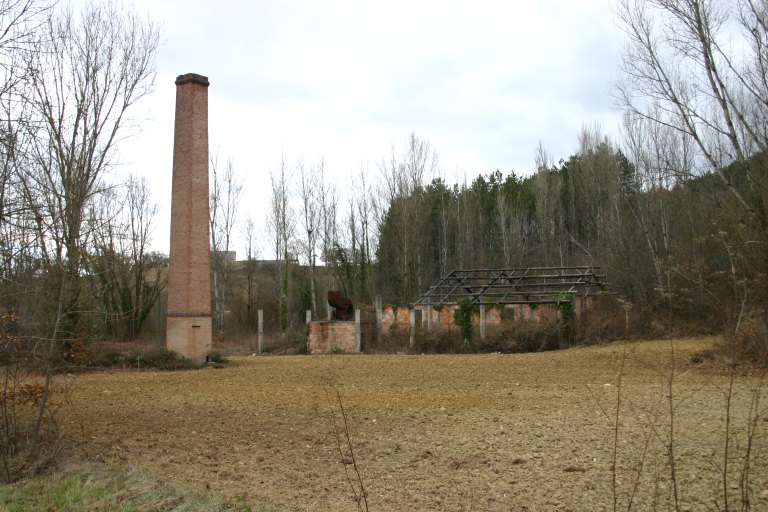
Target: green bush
[163,359]
[565,307]
[218,358]
[462,315]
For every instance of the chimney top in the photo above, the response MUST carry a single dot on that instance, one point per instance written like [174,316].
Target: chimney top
[192,78]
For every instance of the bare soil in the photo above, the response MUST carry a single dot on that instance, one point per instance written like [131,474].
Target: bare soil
[454,432]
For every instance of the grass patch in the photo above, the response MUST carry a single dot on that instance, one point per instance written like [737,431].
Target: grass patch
[84,489]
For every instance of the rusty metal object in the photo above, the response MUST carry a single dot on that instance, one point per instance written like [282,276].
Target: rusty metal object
[342,306]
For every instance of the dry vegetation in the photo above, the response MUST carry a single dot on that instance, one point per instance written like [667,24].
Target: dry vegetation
[452,432]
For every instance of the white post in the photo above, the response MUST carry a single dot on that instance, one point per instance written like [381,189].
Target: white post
[358,333]
[429,317]
[308,316]
[261,331]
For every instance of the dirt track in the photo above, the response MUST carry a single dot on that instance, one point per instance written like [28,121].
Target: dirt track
[486,432]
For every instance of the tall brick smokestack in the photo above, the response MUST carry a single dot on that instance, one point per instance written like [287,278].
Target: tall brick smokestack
[189,331]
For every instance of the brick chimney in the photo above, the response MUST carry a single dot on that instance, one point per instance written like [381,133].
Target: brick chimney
[189,330]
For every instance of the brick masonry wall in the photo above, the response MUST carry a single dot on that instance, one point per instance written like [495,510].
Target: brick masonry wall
[394,319]
[397,319]
[327,337]
[444,318]
[492,316]
[541,313]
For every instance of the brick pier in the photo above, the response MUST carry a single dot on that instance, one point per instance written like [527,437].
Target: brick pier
[332,336]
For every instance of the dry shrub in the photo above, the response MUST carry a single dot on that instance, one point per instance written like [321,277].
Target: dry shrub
[29,436]
[605,321]
[78,353]
[497,339]
[513,337]
[507,338]
[23,453]
[749,344]
[292,342]
[393,343]
[439,341]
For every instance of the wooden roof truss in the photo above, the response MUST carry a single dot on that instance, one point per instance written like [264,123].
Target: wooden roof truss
[534,285]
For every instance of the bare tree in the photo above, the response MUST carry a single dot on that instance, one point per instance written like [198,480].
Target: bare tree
[401,178]
[682,69]
[329,236]
[282,227]
[366,213]
[507,224]
[311,180]
[698,68]
[224,200]
[446,221]
[251,252]
[547,189]
[660,155]
[20,31]
[328,199]
[87,72]
[129,281]
[594,181]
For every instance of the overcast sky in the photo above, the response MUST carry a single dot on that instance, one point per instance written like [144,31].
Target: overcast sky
[483,82]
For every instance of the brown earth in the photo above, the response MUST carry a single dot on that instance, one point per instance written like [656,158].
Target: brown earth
[457,432]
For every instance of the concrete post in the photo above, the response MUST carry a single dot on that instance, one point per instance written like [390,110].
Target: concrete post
[379,316]
[261,331]
[429,317]
[329,309]
[412,333]
[189,329]
[482,322]
[308,316]
[358,333]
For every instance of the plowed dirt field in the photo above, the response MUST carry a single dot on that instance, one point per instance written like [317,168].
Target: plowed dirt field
[459,432]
